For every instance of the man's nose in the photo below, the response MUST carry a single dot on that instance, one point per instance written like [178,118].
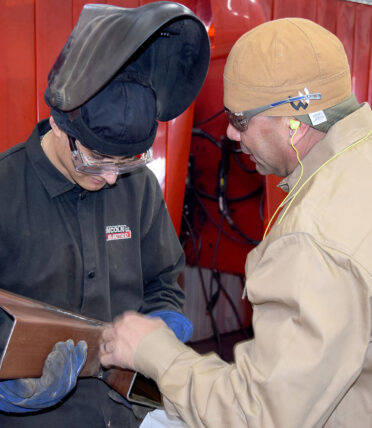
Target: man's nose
[232,133]
[110,177]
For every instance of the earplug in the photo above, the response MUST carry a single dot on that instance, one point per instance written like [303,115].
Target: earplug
[294,124]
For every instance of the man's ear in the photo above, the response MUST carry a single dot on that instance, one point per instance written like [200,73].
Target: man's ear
[55,129]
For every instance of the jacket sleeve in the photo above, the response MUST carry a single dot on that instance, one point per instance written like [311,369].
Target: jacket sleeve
[162,255]
[312,326]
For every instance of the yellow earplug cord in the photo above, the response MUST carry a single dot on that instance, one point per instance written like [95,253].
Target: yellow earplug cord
[306,181]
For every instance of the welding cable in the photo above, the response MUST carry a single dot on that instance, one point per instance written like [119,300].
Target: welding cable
[223,169]
[196,249]
[242,198]
[209,310]
[192,234]
[211,219]
[242,166]
[226,146]
[236,151]
[208,119]
[197,194]
[214,297]
[233,226]
[198,132]
[262,205]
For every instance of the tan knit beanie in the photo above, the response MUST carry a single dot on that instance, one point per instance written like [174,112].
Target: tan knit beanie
[286,58]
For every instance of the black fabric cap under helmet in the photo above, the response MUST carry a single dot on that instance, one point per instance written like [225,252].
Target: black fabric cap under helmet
[118,121]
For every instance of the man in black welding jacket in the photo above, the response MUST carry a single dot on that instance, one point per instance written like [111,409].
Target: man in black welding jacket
[83,223]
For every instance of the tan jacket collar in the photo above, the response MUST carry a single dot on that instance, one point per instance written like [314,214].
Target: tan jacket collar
[340,136]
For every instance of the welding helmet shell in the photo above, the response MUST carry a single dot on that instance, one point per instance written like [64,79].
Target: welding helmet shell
[167,42]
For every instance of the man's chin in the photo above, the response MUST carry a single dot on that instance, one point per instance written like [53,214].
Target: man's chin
[262,170]
[92,183]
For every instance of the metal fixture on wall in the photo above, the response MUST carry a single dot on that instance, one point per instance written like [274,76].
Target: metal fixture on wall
[369,2]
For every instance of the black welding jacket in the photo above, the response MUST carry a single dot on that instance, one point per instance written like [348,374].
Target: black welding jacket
[95,253]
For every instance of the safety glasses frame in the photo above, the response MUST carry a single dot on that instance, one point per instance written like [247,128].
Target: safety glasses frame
[85,164]
[240,119]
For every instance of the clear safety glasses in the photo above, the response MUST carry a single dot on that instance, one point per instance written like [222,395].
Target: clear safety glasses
[240,120]
[96,163]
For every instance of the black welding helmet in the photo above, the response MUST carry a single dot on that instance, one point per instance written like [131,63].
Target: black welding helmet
[161,47]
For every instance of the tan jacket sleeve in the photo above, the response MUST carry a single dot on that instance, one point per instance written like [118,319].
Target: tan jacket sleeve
[312,328]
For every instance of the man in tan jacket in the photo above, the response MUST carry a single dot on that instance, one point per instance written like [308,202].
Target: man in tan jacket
[287,93]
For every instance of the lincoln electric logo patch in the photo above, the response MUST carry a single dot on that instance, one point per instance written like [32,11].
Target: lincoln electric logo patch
[121,231]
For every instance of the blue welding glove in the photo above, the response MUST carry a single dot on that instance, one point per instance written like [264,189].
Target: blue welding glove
[178,323]
[60,372]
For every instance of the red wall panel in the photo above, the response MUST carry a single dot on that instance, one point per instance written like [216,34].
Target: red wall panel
[362,48]
[298,8]
[53,25]
[17,70]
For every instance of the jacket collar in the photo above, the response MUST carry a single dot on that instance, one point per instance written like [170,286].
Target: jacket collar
[54,182]
[341,135]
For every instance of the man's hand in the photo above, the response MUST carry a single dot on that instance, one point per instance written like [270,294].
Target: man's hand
[119,342]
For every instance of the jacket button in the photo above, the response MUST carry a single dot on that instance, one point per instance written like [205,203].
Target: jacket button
[91,274]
